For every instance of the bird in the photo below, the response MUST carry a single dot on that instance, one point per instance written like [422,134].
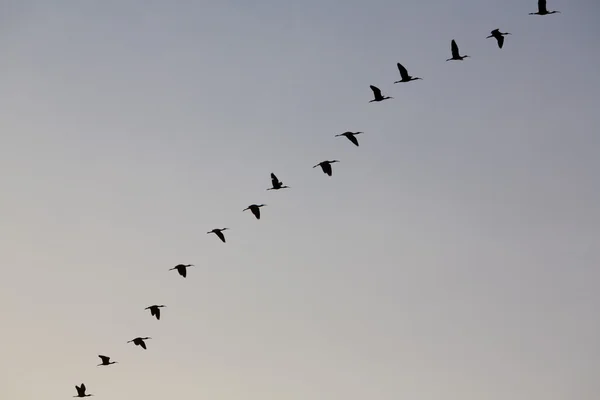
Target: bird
[139,341]
[219,233]
[181,268]
[326,166]
[277,184]
[155,310]
[81,391]
[404,74]
[542,10]
[351,136]
[499,36]
[255,208]
[455,54]
[377,94]
[106,361]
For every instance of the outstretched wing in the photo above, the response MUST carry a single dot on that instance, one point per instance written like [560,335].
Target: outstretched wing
[542,6]
[495,32]
[220,235]
[326,168]
[353,139]
[403,71]
[157,313]
[104,359]
[143,344]
[256,212]
[454,48]
[500,41]
[376,91]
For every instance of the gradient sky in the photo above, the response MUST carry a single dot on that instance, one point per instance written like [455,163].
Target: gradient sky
[454,255]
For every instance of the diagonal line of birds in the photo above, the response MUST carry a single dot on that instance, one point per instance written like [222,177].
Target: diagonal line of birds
[326,167]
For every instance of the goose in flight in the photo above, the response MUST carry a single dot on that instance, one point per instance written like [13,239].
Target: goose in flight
[404,74]
[326,166]
[377,96]
[106,361]
[219,233]
[81,391]
[277,184]
[255,208]
[155,310]
[182,269]
[499,36]
[351,136]
[455,54]
[139,341]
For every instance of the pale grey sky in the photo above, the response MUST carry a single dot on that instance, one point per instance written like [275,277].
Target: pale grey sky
[454,255]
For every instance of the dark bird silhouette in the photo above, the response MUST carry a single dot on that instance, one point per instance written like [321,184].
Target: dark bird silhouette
[542,10]
[277,184]
[404,75]
[182,269]
[351,136]
[81,391]
[255,208]
[106,361]
[455,54]
[499,36]
[219,233]
[139,341]
[326,166]
[377,94]
[155,310]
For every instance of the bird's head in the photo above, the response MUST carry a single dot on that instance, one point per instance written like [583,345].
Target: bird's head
[260,205]
[224,229]
[333,161]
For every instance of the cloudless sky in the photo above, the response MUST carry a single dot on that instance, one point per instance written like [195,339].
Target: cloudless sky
[453,255]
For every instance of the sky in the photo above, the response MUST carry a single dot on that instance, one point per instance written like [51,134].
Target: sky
[453,255]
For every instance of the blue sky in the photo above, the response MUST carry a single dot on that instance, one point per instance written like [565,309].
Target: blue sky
[453,255]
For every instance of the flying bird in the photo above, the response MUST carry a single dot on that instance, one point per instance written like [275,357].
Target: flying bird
[377,94]
[219,233]
[106,361]
[255,208]
[499,36]
[81,391]
[326,166]
[404,75]
[277,184]
[139,341]
[351,136]
[155,310]
[182,269]
[455,54]
[542,10]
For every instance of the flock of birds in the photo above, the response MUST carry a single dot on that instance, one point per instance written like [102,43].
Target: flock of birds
[325,167]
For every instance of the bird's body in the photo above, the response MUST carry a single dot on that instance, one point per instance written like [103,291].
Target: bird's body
[276,183]
[106,361]
[255,209]
[543,10]
[499,36]
[455,53]
[404,75]
[182,269]
[155,310]
[326,166]
[81,391]
[219,233]
[351,136]
[377,94]
[139,341]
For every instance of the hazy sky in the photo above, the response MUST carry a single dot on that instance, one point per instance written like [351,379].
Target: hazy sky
[454,255]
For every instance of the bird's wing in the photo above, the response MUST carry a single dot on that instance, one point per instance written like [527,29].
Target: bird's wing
[495,31]
[376,91]
[78,389]
[183,272]
[353,139]
[256,212]
[157,313]
[403,71]
[83,388]
[327,168]
[454,47]
[220,235]
[542,6]
[143,344]
[104,358]
[500,41]
[153,310]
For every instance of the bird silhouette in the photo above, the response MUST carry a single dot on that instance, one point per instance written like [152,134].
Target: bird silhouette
[326,166]
[219,233]
[455,54]
[139,341]
[351,136]
[182,269]
[155,310]
[377,94]
[499,36]
[543,10]
[404,75]
[106,361]
[277,184]
[81,391]
[255,208]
